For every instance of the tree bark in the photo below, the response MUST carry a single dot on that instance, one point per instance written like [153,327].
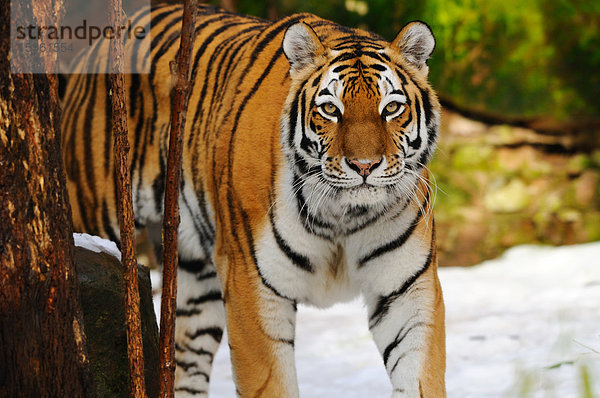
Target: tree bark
[180,72]
[137,385]
[42,342]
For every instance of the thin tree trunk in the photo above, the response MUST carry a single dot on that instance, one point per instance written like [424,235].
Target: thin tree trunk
[135,352]
[42,342]
[180,71]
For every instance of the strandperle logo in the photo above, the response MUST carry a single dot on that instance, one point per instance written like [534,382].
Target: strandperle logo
[81,32]
[80,41]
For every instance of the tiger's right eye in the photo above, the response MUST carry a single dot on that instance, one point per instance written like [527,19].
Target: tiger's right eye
[330,109]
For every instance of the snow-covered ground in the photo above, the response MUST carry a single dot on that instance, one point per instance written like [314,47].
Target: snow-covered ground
[524,325]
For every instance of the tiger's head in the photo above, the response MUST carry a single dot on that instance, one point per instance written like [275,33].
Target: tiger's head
[360,120]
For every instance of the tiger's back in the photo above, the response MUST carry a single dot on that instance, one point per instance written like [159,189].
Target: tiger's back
[266,220]
[87,139]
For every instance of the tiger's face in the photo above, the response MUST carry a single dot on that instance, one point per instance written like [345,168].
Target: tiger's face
[360,119]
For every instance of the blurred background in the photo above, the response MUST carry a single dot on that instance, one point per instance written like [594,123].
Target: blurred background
[519,157]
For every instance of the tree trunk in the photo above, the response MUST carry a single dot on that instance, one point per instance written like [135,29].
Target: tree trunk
[42,343]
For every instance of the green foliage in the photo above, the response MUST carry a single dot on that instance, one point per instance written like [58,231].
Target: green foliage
[508,58]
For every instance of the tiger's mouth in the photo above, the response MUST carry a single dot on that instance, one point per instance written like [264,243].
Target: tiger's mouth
[350,173]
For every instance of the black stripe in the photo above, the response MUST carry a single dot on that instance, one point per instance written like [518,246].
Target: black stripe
[325,91]
[248,231]
[309,146]
[229,48]
[195,266]
[374,55]
[345,56]
[399,338]
[293,117]
[431,127]
[418,112]
[378,67]
[189,312]
[298,259]
[257,51]
[147,27]
[385,57]
[393,368]
[176,18]
[215,332]
[401,76]
[108,136]
[416,144]
[134,95]
[426,106]
[317,80]
[208,297]
[284,341]
[88,154]
[188,365]
[190,390]
[199,225]
[340,68]
[143,128]
[110,232]
[200,52]
[200,197]
[407,121]
[396,243]
[83,205]
[158,186]
[197,351]
[384,302]
[206,276]
[252,91]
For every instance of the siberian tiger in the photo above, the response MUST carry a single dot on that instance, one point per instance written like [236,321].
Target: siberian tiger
[304,181]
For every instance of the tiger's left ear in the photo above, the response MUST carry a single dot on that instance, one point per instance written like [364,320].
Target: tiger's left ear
[301,46]
[416,43]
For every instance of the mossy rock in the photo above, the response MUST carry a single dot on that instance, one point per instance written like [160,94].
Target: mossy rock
[101,288]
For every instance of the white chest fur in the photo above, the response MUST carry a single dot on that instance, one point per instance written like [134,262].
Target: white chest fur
[322,270]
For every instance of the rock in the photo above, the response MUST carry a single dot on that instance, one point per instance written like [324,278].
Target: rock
[102,299]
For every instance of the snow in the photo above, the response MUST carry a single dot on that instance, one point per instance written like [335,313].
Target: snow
[97,244]
[523,325]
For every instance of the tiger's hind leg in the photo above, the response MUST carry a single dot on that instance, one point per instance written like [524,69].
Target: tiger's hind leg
[199,326]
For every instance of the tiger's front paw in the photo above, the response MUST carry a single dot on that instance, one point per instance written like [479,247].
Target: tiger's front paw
[403,393]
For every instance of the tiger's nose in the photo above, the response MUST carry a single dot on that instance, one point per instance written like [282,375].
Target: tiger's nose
[363,167]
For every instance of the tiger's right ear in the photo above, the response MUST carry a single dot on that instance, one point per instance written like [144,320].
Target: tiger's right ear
[301,46]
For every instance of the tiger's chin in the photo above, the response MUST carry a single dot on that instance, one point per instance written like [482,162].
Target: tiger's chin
[370,195]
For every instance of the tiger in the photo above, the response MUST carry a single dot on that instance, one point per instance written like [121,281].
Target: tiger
[304,181]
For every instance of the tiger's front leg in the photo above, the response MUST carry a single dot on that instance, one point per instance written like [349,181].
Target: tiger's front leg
[406,317]
[261,330]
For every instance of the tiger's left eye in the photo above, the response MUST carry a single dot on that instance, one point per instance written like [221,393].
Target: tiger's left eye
[391,108]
